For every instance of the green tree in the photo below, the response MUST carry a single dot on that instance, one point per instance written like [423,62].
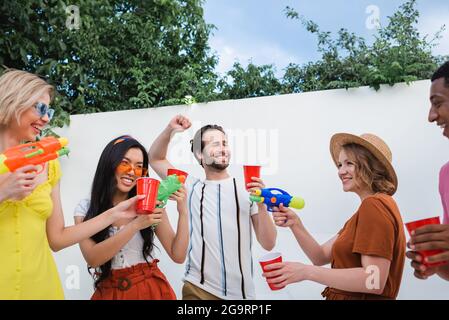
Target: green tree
[252,81]
[148,53]
[398,54]
[125,54]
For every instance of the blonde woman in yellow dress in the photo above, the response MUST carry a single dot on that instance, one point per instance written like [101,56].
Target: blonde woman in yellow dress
[31,217]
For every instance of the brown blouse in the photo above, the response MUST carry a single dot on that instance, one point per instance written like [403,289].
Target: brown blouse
[376,229]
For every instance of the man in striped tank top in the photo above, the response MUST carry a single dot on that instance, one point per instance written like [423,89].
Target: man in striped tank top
[221,218]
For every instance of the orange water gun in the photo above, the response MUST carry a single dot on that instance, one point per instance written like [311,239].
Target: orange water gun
[33,153]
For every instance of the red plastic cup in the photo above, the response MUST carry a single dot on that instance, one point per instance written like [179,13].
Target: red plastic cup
[182,175]
[249,172]
[411,226]
[148,187]
[270,258]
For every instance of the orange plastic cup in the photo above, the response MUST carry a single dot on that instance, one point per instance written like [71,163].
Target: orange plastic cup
[249,172]
[411,226]
[148,187]
[182,175]
[268,259]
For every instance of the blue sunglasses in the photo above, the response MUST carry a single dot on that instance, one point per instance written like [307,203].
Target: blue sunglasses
[43,109]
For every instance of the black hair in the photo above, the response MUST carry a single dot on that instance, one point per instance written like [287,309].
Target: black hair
[103,188]
[442,72]
[197,144]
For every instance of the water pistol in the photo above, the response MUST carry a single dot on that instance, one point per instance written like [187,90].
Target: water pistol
[168,186]
[273,197]
[33,153]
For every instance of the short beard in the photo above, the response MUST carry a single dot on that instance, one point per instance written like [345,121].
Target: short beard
[218,166]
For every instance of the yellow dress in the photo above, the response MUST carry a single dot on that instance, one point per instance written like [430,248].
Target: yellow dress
[28,270]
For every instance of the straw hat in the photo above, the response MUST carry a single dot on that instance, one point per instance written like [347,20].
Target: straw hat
[371,142]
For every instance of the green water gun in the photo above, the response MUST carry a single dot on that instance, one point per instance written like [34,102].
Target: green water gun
[167,187]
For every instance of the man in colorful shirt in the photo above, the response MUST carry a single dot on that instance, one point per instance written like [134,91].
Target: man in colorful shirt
[434,237]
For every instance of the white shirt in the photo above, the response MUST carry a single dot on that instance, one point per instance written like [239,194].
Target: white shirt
[219,255]
[131,254]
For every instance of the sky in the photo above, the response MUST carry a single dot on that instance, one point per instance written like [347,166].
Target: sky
[258,30]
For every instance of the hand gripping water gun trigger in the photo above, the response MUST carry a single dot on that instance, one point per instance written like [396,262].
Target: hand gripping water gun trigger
[167,187]
[274,199]
[33,153]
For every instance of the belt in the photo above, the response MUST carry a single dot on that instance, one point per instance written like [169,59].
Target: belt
[124,279]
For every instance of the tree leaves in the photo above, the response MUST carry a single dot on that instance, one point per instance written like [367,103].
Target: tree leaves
[398,54]
[149,53]
[254,81]
[125,54]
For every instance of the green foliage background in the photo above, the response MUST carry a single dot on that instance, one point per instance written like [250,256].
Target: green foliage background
[149,53]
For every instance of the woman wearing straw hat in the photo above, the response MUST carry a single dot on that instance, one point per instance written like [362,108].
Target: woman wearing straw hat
[367,254]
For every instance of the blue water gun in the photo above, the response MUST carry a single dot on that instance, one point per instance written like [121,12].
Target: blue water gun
[273,197]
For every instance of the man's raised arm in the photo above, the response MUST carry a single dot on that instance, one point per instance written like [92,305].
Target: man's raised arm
[158,150]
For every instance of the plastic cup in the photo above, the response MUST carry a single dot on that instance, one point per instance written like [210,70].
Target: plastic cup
[249,172]
[148,187]
[182,175]
[411,226]
[268,259]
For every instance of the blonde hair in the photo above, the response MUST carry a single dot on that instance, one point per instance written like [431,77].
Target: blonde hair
[18,91]
[369,170]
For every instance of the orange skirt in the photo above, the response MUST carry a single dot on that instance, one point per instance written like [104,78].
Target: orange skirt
[139,282]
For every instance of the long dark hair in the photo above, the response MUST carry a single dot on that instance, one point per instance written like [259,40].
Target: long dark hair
[104,187]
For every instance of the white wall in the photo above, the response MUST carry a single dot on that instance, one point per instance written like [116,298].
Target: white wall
[290,136]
